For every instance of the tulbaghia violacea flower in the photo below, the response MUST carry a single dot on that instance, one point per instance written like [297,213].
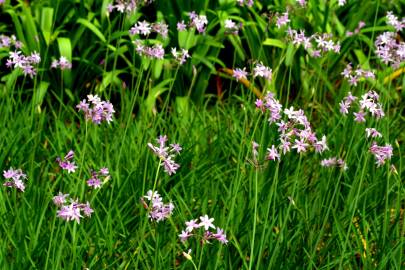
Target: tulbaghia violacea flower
[231,27]
[261,70]
[240,74]
[25,63]
[96,110]
[204,222]
[71,210]
[314,44]
[381,153]
[63,63]
[295,132]
[198,21]
[128,6]
[154,52]
[334,162]
[145,28]
[282,20]
[98,178]
[353,76]
[302,2]
[166,154]
[248,3]
[342,2]
[60,199]
[180,56]
[373,133]
[367,102]
[67,163]
[395,22]
[15,178]
[389,50]
[158,210]
[7,42]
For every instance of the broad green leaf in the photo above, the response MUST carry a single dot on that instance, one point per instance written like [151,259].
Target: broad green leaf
[92,28]
[274,43]
[46,23]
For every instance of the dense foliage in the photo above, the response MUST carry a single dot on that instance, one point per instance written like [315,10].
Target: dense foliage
[227,134]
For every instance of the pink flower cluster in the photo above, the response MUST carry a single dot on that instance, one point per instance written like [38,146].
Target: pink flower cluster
[259,70]
[98,112]
[16,178]
[353,76]
[368,102]
[295,132]
[128,6]
[395,22]
[180,56]
[145,28]
[334,162]
[7,42]
[67,163]
[63,63]
[389,50]
[156,51]
[166,154]
[95,180]
[381,153]
[195,21]
[282,20]
[25,63]
[71,209]
[315,44]
[206,223]
[231,27]
[158,210]
[248,3]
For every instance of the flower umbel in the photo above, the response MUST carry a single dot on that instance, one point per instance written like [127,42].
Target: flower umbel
[166,154]
[15,178]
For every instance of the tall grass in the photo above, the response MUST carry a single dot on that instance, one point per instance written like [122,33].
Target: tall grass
[287,214]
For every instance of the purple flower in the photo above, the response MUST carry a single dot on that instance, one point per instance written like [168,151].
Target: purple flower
[192,224]
[181,57]
[372,132]
[16,178]
[60,199]
[282,19]
[334,162]
[359,117]
[158,211]
[300,145]
[181,26]
[63,63]
[262,71]
[272,153]
[206,222]
[184,235]
[70,212]
[381,153]
[220,236]
[96,109]
[166,154]
[239,74]
[66,163]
